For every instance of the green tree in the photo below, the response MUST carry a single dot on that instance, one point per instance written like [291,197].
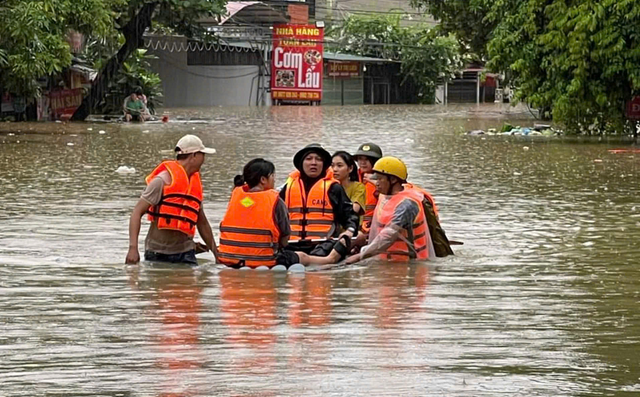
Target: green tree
[33,37]
[471,21]
[426,58]
[135,72]
[579,58]
[132,21]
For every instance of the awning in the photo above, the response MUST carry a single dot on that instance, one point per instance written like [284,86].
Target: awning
[87,72]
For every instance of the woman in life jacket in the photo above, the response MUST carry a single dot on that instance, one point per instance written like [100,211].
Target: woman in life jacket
[255,229]
[319,208]
[345,171]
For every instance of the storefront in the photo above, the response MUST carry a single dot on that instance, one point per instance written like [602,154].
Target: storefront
[344,79]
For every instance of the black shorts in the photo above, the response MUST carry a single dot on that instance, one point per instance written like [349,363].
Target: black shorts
[287,258]
[283,257]
[188,257]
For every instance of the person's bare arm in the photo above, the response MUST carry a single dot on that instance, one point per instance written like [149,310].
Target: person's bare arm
[133,256]
[204,228]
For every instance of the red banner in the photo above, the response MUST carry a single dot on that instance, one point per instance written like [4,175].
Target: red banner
[633,108]
[65,101]
[296,67]
[344,69]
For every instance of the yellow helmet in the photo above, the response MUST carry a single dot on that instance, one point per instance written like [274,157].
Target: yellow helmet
[391,166]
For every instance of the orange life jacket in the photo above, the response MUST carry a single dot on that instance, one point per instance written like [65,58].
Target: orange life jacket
[413,243]
[370,203]
[426,194]
[181,200]
[248,232]
[311,216]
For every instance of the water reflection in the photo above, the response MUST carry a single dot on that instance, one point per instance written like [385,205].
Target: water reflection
[175,320]
[541,299]
[399,292]
[248,308]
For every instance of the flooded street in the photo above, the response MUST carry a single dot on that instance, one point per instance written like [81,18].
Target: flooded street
[541,300]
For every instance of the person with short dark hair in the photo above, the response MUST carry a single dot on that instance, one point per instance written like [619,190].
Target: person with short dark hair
[135,107]
[173,202]
[140,94]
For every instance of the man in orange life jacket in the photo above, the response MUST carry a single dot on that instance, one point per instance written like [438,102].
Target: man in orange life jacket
[318,205]
[173,201]
[399,230]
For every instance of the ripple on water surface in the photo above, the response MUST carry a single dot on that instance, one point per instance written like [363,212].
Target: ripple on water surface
[540,300]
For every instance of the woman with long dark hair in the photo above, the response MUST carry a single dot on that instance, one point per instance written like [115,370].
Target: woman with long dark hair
[345,171]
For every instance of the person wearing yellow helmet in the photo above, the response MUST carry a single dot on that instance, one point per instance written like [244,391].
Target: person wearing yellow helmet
[400,230]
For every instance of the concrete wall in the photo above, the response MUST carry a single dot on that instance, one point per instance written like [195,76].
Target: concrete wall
[214,85]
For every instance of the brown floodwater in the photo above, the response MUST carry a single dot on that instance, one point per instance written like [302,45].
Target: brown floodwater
[541,300]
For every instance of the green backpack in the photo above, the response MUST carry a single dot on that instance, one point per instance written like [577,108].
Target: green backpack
[439,239]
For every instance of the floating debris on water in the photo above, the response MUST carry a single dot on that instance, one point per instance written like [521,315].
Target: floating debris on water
[70,143]
[123,169]
[508,129]
[101,132]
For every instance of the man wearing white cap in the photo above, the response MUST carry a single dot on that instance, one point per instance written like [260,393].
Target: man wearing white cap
[173,201]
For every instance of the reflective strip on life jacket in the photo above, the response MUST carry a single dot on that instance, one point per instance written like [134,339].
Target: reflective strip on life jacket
[181,200]
[248,233]
[311,215]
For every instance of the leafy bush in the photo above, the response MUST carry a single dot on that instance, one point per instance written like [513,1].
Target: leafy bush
[135,72]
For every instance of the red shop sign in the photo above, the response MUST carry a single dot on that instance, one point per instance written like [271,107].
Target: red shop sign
[296,66]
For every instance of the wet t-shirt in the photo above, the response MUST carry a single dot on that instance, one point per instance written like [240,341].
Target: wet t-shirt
[163,241]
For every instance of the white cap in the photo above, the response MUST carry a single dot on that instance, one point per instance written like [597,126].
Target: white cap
[192,144]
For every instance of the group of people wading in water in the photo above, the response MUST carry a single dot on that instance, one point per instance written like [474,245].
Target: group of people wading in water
[330,209]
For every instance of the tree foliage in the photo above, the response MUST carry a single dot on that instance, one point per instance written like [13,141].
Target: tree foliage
[426,58]
[33,34]
[133,21]
[33,37]
[136,72]
[579,58]
[471,21]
